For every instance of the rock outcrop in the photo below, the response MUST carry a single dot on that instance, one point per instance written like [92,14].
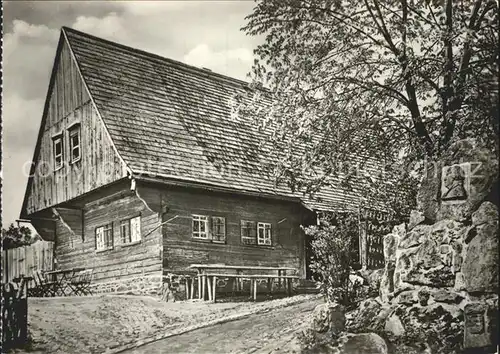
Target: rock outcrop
[438,291]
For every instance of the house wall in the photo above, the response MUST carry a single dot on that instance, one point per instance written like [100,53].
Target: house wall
[180,249]
[69,102]
[133,268]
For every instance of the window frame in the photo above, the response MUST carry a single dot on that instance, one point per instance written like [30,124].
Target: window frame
[197,234]
[212,229]
[74,130]
[58,139]
[265,226]
[108,237]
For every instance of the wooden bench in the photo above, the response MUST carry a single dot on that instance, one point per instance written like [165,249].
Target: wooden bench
[211,280]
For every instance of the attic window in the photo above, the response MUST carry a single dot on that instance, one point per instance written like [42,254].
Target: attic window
[57,142]
[74,143]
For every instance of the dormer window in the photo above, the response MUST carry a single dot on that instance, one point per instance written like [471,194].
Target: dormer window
[74,143]
[57,142]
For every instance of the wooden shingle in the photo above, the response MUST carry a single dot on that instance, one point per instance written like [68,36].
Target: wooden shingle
[173,121]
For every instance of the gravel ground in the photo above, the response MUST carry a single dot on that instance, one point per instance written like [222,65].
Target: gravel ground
[94,324]
[268,332]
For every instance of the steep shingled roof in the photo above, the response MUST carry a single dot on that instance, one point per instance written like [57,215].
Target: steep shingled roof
[174,121]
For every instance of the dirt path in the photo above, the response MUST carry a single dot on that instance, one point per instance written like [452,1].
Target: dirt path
[265,332]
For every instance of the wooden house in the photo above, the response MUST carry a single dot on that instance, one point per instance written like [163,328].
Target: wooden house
[142,167]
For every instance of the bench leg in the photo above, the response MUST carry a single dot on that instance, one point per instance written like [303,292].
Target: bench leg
[209,285]
[214,288]
[203,286]
[199,286]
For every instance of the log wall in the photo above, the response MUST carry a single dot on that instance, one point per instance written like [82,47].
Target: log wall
[180,249]
[76,247]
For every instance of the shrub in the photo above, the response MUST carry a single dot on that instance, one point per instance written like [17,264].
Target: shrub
[334,249]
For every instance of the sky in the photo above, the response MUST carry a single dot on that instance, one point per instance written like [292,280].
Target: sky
[201,33]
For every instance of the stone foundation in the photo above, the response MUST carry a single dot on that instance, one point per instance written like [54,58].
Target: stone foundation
[172,287]
[139,285]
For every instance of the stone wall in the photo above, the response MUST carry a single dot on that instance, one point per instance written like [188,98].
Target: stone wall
[136,285]
[439,288]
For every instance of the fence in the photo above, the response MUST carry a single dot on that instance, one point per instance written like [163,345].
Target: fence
[374,225]
[14,315]
[25,260]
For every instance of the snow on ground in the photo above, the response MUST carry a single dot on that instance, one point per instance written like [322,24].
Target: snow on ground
[93,324]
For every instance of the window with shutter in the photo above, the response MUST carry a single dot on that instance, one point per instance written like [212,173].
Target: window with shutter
[248,232]
[218,229]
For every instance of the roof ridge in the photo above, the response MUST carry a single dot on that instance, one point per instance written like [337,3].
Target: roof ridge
[207,72]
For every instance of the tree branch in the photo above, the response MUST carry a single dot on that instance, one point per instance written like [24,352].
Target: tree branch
[449,122]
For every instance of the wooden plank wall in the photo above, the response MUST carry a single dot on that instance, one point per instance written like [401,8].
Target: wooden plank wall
[99,165]
[180,249]
[25,260]
[77,249]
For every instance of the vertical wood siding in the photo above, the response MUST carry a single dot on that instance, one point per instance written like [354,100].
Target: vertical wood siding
[78,249]
[180,249]
[25,260]
[99,165]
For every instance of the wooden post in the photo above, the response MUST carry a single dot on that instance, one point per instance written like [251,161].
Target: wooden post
[209,288]
[251,287]
[23,311]
[279,279]
[269,286]
[214,287]
[199,286]
[186,286]
[203,286]
[289,287]
[239,285]
[192,287]
[255,290]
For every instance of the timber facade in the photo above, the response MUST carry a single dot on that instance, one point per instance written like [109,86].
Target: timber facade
[142,167]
